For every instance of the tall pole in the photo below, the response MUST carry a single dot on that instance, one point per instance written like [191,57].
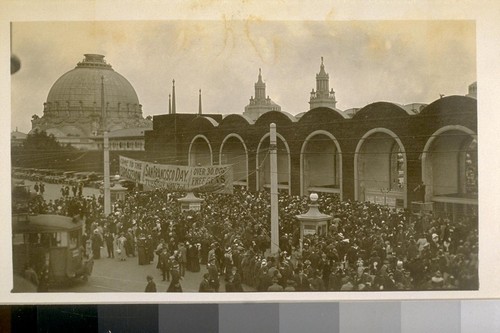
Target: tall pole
[274,190]
[173,97]
[107,191]
[199,104]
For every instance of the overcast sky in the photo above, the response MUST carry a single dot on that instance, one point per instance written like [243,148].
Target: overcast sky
[368,61]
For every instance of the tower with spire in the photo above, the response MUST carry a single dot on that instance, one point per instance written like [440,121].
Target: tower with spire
[261,103]
[323,96]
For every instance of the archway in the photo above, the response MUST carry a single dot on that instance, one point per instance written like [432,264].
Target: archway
[263,166]
[380,169]
[233,151]
[449,170]
[200,151]
[321,164]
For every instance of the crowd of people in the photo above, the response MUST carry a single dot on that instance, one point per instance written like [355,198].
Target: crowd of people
[368,247]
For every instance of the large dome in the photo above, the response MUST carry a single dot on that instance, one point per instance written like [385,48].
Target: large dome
[81,88]
[76,111]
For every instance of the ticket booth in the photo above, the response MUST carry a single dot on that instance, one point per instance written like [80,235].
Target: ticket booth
[313,222]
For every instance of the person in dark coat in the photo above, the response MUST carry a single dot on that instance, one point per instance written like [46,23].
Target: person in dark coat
[43,279]
[109,238]
[151,286]
[164,262]
[205,286]
[193,260]
[213,276]
[236,280]
[159,249]
[175,284]
[182,258]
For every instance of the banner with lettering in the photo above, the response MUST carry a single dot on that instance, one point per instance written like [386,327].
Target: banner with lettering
[213,178]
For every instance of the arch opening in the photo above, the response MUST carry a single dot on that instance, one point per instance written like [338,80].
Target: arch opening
[380,169]
[200,152]
[264,165]
[321,164]
[234,152]
[450,172]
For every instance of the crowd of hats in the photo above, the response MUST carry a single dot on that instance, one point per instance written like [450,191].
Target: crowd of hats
[367,247]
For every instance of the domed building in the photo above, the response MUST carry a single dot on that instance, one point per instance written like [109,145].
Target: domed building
[88,99]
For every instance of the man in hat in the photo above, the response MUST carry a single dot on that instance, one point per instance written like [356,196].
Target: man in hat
[205,286]
[213,275]
[228,262]
[164,264]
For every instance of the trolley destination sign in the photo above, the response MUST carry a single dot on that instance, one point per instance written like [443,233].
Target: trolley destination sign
[218,178]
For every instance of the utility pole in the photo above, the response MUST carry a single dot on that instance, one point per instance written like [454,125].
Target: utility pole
[273,151]
[105,134]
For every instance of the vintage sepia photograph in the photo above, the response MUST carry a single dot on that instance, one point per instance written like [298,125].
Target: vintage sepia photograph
[244,156]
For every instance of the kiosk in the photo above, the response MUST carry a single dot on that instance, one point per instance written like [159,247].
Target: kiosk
[313,222]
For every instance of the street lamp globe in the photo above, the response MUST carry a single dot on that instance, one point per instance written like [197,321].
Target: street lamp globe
[313,197]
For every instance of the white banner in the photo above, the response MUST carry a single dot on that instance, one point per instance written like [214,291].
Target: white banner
[213,178]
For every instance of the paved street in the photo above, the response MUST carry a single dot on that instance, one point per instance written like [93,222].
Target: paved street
[112,275]
[53,191]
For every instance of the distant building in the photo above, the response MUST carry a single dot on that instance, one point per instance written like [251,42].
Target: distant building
[323,96]
[383,152]
[76,110]
[261,103]
[472,90]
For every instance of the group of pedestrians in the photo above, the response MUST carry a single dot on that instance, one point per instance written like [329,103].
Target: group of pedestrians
[368,246]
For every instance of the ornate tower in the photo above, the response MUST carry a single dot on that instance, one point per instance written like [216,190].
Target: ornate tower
[260,104]
[323,96]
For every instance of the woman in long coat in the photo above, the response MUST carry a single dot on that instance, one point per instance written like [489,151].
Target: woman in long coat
[96,244]
[120,247]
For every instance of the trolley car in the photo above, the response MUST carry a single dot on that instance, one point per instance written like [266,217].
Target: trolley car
[51,240]
[43,240]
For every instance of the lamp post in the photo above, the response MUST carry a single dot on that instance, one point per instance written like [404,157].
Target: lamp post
[273,152]
[105,136]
